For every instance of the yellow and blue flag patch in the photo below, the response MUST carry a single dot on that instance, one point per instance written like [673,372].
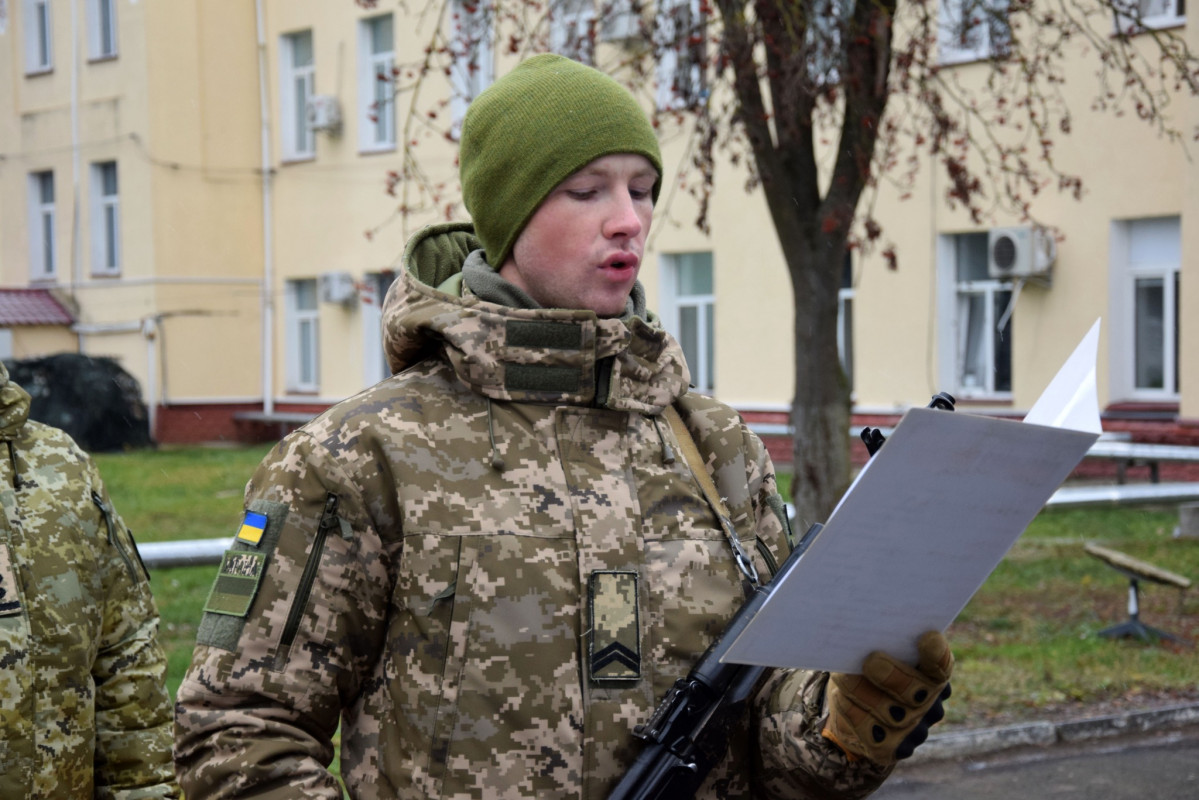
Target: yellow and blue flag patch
[252,527]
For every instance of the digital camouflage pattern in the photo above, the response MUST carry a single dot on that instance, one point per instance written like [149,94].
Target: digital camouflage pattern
[488,568]
[84,711]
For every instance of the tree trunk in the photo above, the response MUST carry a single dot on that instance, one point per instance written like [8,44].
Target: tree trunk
[820,410]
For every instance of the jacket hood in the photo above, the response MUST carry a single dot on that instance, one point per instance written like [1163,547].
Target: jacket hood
[14,406]
[525,355]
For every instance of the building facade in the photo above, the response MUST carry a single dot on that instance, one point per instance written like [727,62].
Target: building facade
[217,194]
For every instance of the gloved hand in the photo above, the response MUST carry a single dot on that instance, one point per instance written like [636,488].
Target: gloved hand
[885,712]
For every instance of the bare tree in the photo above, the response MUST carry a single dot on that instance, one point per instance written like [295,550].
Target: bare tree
[763,83]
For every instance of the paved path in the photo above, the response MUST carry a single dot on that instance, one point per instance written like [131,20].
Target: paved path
[1162,765]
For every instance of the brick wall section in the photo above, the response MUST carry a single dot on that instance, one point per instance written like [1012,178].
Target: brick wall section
[208,423]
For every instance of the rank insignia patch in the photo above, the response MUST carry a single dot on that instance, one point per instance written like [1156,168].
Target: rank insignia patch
[236,583]
[252,527]
[615,626]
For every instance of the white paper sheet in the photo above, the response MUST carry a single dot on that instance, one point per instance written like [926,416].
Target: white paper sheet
[921,529]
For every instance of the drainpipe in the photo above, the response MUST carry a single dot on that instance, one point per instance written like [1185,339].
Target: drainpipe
[268,248]
[76,266]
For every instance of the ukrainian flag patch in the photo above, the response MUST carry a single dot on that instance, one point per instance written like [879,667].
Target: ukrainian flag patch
[252,527]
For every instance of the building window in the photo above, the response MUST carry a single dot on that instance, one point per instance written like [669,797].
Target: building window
[1145,299]
[43,256]
[473,68]
[39,54]
[303,336]
[1138,15]
[101,28]
[973,30]
[572,29]
[980,321]
[845,321]
[689,312]
[106,219]
[371,295]
[298,73]
[376,84]
[680,38]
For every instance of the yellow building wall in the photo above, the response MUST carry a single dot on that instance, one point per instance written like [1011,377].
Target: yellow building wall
[325,206]
[36,341]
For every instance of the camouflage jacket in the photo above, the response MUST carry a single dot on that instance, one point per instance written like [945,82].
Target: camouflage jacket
[84,711]
[488,569]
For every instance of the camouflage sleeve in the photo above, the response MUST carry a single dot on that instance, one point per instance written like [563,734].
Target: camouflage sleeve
[291,630]
[133,709]
[793,759]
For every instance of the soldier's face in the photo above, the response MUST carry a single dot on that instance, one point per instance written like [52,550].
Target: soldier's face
[582,248]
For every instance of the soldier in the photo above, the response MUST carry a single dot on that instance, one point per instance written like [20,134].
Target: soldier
[84,710]
[489,567]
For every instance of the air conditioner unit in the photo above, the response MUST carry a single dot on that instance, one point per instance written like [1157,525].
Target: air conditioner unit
[1021,252]
[323,113]
[337,287]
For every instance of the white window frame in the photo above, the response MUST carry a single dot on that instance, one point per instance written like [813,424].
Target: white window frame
[984,19]
[376,88]
[680,77]
[43,227]
[303,325]
[105,219]
[845,296]
[101,29]
[954,327]
[297,85]
[1148,14]
[473,67]
[570,25]
[702,362]
[37,22]
[1144,249]
[371,296]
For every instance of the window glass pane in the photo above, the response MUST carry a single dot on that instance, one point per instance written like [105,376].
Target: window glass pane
[110,237]
[306,295]
[694,274]
[107,46]
[845,338]
[381,34]
[301,49]
[301,113]
[1149,333]
[43,34]
[108,179]
[47,243]
[709,372]
[971,257]
[1002,348]
[689,335]
[45,182]
[307,346]
[1175,325]
[973,318]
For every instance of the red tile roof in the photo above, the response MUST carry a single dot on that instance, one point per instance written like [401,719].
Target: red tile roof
[31,307]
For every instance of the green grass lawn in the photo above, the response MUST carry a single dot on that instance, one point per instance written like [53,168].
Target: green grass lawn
[184,493]
[1027,645]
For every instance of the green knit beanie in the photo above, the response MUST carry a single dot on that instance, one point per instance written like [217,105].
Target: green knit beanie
[532,129]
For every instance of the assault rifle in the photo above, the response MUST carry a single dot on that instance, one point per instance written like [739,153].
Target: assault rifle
[688,734]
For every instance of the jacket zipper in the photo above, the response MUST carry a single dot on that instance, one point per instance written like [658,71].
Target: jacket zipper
[307,578]
[113,541]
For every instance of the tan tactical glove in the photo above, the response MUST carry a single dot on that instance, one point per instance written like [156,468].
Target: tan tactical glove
[885,712]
